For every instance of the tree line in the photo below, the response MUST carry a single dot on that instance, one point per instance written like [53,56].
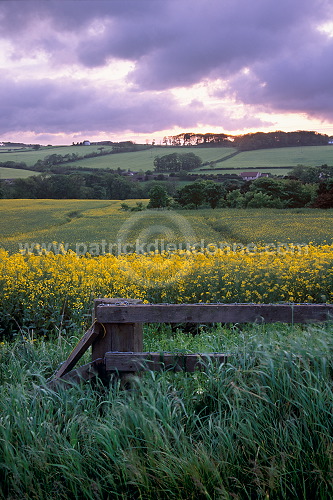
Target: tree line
[101,185]
[292,192]
[251,141]
[304,186]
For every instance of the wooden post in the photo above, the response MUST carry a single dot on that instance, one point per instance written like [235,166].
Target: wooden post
[121,337]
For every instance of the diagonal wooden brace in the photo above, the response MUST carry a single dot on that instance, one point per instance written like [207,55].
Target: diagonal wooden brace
[87,340]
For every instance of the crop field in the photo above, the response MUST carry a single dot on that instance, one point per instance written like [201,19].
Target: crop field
[56,288]
[63,253]
[15,173]
[309,156]
[91,221]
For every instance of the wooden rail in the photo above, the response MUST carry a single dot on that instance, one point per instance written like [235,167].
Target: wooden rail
[212,313]
[116,336]
[159,361]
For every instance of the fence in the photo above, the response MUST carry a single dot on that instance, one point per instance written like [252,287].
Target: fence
[116,335]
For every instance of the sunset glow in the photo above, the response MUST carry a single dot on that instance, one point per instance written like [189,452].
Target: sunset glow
[141,70]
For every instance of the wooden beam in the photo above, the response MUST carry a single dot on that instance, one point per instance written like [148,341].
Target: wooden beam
[122,337]
[157,361]
[86,341]
[83,373]
[213,313]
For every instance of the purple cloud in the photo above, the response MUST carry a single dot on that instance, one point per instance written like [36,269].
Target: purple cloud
[171,43]
[43,105]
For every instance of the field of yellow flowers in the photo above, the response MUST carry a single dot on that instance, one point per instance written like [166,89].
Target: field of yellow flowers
[50,292]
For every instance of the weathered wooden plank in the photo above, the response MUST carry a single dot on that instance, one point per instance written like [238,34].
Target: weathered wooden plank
[117,337]
[156,361]
[78,351]
[213,313]
[83,373]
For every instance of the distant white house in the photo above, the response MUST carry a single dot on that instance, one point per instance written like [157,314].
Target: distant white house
[251,176]
[86,143]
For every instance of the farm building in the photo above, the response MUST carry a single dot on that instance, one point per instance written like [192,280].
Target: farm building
[251,176]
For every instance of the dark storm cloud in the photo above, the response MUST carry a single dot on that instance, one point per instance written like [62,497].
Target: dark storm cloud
[43,105]
[172,43]
[297,82]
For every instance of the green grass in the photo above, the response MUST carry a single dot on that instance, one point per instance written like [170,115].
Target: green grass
[261,159]
[144,160]
[27,221]
[259,427]
[31,156]
[15,173]
[136,161]
[238,170]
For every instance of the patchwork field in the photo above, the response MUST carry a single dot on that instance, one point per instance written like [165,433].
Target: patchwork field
[284,158]
[144,160]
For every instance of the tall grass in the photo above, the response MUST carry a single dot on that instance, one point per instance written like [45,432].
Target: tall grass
[258,427]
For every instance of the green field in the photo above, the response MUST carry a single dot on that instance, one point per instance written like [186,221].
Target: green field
[136,161]
[309,156]
[89,221]
[285,158]
[31,156]
[15,173]
[238,170]
[263,159]
[144,160]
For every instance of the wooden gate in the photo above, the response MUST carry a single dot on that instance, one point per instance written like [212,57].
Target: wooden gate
[116,335]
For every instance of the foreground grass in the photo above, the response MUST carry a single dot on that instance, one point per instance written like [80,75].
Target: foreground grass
[258,427]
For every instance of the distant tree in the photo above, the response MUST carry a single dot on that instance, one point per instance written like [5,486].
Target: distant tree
[190,161]
[235,199]
[260,200]
[324,197]
[291,193]
[168,163]
[311,174]
[158,197]
[213,193]
[192,194]
[176,162]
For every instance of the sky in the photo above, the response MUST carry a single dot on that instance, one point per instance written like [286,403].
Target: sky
[144,69]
